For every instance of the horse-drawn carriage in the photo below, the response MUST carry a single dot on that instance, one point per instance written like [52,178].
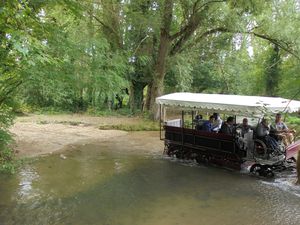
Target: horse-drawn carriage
[246,152]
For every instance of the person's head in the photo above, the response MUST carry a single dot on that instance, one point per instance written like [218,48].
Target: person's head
[245,121]
[278,117]
[211,119]
[216,116]
[199,117]
[230,120]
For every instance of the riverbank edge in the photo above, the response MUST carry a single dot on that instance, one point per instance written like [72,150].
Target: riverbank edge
[42,135]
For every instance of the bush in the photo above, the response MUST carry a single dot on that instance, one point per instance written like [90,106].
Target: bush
[6,154]
[293,120]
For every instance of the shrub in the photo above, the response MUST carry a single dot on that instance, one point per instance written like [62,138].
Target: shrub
[6,154]
[294,120]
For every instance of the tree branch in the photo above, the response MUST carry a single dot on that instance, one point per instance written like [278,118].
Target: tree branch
[178,46]
[279,43]
[138,46]
[106,26]
[5,95]
[207,3]
[191,20]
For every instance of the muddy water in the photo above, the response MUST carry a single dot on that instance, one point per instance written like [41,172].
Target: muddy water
[128,182]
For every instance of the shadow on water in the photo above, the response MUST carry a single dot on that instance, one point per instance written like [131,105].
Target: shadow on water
[126,182]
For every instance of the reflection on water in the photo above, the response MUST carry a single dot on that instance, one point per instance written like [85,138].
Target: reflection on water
[26,176]
[125,182]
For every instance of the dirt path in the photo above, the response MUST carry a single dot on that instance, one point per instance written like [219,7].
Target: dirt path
[44,134]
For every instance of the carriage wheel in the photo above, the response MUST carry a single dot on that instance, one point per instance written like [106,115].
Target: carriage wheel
[256,169]
[269,173]
[260,170]
[203,159]
[169,149]
[260,149]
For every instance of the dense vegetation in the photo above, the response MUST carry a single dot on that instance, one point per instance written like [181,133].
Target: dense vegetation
[91,56]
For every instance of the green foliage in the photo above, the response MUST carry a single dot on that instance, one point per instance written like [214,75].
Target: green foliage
[290,83]
[272,73]
[78,56]
[293,120]
[84,70]
[182,67]
[6,153]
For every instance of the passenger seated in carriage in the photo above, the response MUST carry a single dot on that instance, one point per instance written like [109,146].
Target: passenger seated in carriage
[217,124]
[281,132]
[227,127]
[198,122]
[208,125]
[263,133]
[244,127]
[244,132]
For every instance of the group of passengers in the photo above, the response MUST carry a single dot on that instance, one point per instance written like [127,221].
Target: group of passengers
[271,134]
[215,124]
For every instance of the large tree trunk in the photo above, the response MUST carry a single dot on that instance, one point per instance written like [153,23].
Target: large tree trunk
[156,87]
[136,95]
[155,91]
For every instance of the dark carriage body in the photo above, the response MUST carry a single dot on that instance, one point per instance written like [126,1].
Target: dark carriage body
[203,146]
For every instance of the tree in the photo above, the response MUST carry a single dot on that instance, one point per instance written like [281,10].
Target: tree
[272,74]
[87,71]
[15,41]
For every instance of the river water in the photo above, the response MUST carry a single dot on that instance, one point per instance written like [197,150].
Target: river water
[127,181]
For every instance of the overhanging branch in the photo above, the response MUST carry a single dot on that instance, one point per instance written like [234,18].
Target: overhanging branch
[110,29]
[279,43]
[191,21]
[178,46]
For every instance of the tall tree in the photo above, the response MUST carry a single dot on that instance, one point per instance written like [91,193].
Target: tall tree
[272,74]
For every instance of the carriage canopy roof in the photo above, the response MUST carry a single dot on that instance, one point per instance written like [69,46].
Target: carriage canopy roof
[235,104]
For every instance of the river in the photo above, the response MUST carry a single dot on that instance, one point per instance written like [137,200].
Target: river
[127,181]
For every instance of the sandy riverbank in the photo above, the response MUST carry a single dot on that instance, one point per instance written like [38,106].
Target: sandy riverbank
[44,134]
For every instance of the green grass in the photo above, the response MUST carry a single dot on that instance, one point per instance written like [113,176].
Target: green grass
[293,120]
[143,126]
[72,123]
[118,112]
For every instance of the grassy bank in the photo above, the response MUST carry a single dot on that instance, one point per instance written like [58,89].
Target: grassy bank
[145,125]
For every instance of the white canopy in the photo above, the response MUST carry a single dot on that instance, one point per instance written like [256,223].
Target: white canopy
[235,104]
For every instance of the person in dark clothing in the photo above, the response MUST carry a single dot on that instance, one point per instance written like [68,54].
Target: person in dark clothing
[227,127]
[263,133]
[208,125]
[198,122]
